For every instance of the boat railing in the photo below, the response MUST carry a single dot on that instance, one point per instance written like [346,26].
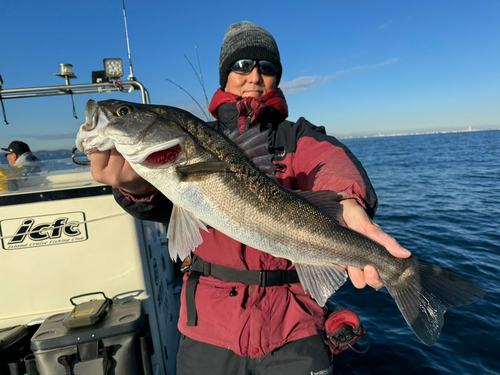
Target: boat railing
[86,88]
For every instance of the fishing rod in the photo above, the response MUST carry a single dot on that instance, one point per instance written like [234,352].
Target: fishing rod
[131,76]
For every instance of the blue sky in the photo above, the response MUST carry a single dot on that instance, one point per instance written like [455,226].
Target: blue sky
[355,67]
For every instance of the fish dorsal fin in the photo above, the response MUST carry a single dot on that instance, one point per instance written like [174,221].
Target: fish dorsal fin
[195,172]
[321,281]
[232,134]
[326,201]
[249,138]
[255,143]
[183,233]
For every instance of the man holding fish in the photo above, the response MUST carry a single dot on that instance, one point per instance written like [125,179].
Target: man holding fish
[243,310]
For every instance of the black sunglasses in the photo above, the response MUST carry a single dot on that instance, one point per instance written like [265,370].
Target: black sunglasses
[245,66]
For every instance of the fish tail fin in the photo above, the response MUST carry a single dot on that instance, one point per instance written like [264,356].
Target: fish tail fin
[425,295]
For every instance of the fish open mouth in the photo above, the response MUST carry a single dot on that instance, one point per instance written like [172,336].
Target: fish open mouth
[163,156]
[152,155]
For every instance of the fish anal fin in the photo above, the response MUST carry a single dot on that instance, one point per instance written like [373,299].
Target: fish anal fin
[196,172]
[183,233]
[321,280]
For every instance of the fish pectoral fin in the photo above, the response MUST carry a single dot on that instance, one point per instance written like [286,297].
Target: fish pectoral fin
[197,171]
[321,281]
[183,233]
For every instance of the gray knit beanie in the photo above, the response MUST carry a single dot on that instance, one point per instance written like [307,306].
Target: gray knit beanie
[246,40]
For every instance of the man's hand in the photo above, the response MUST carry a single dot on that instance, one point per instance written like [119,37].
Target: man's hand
[109,167]
[355,218]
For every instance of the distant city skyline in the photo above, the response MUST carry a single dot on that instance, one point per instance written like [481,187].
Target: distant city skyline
[421,131]
[417,132]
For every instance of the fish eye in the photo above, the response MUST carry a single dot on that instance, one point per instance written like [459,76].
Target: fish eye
[124,110]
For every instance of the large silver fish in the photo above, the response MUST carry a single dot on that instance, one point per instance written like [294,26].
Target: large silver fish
[211,181]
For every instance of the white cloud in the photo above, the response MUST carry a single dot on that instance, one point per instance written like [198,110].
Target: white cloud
[306,83]
[346,72]
[300,84]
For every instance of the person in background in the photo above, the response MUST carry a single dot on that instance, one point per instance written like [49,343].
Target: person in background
[19,156]
[23,163]
[247,327]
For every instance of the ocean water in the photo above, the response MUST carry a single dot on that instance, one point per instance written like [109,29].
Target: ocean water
[439,196]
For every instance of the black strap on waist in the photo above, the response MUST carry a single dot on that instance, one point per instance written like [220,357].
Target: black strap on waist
[260,278]
[201,268]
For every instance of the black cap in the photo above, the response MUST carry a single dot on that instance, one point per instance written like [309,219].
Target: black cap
[17,147]
[245,40]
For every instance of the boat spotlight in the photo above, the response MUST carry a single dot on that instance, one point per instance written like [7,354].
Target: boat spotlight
[113,68]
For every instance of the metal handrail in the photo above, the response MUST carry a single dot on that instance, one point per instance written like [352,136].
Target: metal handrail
[87,88]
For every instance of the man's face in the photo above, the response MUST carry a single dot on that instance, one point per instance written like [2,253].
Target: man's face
[253,84]
[11,158]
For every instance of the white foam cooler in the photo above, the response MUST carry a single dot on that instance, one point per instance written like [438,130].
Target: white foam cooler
[110,346]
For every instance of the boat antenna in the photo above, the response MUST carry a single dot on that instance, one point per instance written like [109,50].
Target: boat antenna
[131,76]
